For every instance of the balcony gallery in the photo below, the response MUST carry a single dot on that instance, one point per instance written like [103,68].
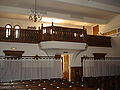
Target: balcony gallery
[51,33]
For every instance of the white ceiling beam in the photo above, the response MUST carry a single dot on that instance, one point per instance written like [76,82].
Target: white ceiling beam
[14,10]
[53,15]
[93,4]
[83,19]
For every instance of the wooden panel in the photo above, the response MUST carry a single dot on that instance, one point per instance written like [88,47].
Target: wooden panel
[76,73]
[57,56]
[96,30]
[99,55]
[25,36]
[54,33]
[99,41]
[13,53]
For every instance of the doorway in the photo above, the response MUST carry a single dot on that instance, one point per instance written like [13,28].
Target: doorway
[66,67]
[96,30]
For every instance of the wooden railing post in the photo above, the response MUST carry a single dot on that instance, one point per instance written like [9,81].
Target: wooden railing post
[52,33]
[41,26]
[82,80]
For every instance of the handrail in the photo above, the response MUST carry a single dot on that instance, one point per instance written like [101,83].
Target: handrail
[55,33]
[102,41]
[29,57]
[106,58]
[25,36]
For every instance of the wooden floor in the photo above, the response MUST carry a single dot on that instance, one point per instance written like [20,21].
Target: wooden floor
[89,83]
[43,85]
[104,82]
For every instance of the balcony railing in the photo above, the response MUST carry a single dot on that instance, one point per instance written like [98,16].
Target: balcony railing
[54,33]
[100,41]
[103,67]
[24,35]
[29,67]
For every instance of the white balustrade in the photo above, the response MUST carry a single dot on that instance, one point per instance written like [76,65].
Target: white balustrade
[96,68]
[26,69]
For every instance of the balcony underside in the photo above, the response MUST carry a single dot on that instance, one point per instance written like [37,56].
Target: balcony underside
[62,45]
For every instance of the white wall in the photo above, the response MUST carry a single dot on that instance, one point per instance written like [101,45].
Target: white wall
[108,50]
[29,49]
[89,30]
[89,52]
[115,41]
[113,24]
[25,23]
[62,45]
[113,51]
[33,49]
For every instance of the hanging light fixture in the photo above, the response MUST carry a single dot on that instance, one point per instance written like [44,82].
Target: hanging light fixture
[34,16]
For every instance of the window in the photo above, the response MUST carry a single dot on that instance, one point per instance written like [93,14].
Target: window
[17,31]
[8,30]
[50,31]
[44,31]
[81,35]
[75,34]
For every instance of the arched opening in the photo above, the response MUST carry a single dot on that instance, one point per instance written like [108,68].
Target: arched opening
[66,66]
[17,31]
[8,30]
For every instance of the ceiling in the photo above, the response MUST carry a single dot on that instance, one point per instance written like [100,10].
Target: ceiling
[91,11]
[110,2]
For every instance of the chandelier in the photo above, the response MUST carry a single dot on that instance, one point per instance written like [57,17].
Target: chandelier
[35,16]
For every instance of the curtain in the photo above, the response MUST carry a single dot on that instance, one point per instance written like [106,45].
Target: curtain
[25,69]
[96,68]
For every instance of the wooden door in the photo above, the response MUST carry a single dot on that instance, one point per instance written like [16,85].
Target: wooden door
[96,30]
[76,73]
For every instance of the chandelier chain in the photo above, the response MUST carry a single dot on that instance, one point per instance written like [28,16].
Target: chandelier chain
[34,16]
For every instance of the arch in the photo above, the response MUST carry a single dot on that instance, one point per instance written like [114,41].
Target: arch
[8,28]
[17,31]
[17,27]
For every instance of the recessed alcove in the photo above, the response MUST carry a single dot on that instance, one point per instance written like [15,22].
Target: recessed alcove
[99,56]
[13,53]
